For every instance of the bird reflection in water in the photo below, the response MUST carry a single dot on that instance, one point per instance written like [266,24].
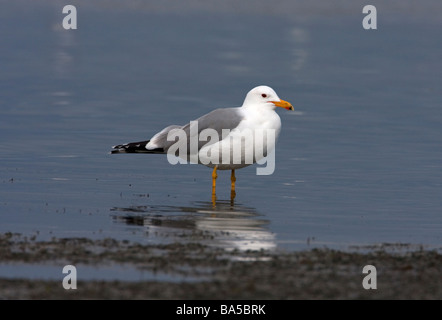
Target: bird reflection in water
[221,224]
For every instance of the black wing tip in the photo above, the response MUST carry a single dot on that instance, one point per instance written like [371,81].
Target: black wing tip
[134,147]
[121,148]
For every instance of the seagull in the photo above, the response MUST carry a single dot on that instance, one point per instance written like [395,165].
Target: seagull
[228,128]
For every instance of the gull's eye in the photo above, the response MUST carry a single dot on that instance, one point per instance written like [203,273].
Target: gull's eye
[264,95]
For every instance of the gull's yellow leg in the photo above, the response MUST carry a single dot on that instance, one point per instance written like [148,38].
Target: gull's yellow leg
[214,176]
[232,190]
[233,179]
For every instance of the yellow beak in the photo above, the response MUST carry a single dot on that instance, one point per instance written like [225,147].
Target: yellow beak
[283,104]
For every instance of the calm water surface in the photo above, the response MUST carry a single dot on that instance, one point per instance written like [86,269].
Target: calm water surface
[357,163]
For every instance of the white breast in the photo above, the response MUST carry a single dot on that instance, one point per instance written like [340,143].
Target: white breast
[252,140]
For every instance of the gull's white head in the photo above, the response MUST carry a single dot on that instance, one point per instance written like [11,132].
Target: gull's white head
[264,96]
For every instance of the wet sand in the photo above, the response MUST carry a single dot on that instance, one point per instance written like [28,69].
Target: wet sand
[403,271]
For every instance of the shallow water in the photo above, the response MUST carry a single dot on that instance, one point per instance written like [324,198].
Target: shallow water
[85,272]
[357,163]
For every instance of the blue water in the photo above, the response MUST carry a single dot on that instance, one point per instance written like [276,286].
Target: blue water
[357,163]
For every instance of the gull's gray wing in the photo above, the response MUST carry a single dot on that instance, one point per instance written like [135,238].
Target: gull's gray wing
[219,119]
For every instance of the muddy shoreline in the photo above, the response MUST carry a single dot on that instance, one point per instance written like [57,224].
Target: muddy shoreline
[403,271]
